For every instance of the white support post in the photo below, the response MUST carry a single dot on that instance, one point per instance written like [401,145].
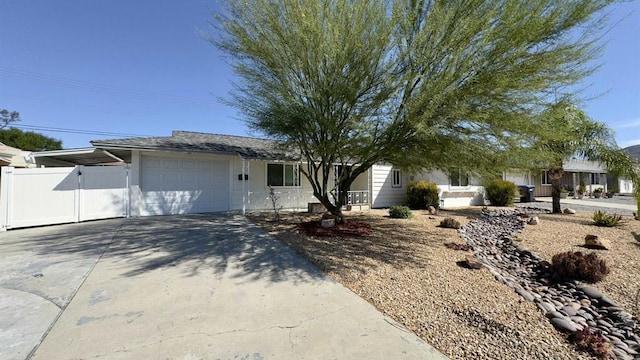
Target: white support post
[6,181]
[244,188]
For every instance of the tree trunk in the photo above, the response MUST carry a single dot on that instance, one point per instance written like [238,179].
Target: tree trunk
[555,174]
[335,210]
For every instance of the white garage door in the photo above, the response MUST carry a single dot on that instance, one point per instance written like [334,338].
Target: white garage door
[173,185]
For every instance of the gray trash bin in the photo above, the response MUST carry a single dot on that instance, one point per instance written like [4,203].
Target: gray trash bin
[526,193]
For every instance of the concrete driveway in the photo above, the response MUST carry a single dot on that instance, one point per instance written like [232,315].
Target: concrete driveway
[180,287]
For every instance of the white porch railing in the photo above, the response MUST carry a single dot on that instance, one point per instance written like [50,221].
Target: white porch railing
[360,197]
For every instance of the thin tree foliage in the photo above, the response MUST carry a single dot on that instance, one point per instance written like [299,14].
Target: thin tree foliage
[420,84]
[569,132]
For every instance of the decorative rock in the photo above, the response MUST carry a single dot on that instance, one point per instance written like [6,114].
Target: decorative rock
[432,210]
[525,294]
[564,324]
[472,262]
[585,302]
[568,211]
[546,307]
[607,302]
[591,292]
[327,223]
[533,221]
[570,310]
[594,242]
[575,305]
[554,314]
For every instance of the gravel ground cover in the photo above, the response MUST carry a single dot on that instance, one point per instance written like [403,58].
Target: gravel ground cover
[404,268]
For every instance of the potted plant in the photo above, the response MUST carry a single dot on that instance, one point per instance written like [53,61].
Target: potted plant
[582,189]
[597,193]
[564,192]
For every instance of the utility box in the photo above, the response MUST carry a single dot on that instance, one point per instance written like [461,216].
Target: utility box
[526,193]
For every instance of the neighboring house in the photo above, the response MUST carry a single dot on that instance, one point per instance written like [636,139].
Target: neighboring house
[625,186]
[10,156]
[593,174]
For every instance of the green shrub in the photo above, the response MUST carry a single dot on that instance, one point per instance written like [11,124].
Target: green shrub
[400,212]
[601,218]
[500,192]
[422,194]
[577,266]
[450,223]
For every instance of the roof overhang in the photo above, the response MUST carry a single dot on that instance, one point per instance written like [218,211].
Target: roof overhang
[80,156]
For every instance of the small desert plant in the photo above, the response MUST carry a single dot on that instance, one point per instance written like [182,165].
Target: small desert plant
[422,194]
[450,223]
[591,340]
[500,192]
[598,190]
[601,218]
[274,202]
[578,266]
[400,212]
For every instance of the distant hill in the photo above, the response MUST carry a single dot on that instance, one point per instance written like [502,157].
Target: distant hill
[633,151]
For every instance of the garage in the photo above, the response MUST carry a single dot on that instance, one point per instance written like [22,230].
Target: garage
[183,185]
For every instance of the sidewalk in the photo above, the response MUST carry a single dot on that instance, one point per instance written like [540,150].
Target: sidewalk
[627,208]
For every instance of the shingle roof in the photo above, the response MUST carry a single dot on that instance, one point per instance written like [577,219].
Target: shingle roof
[247,147]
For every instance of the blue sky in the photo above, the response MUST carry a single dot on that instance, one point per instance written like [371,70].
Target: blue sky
[141,68]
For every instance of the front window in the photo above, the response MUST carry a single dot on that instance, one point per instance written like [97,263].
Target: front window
[595,179]
[396,178]
[546,179]
[459,178]
[279,175]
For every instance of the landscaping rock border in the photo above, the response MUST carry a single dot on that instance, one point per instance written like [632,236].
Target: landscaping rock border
[570,306]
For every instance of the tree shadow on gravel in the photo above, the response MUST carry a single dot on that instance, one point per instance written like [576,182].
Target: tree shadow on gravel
[393,242]
[202,243]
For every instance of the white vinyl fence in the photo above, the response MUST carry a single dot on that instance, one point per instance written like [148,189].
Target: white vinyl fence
[45,196]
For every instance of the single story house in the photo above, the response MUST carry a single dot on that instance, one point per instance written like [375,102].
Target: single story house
[592,173]
[190,172]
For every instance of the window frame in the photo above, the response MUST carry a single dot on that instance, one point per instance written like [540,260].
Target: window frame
[460,175]
[545,180]
[595,179]
[295,174]
[396,174]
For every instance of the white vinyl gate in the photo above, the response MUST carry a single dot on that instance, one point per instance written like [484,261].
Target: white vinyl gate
[45,196]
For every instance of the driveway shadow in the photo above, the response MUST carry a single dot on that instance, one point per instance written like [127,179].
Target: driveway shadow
[197,243]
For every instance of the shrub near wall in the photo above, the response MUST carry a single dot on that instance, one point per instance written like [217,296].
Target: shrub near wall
[422,194]
[500,192]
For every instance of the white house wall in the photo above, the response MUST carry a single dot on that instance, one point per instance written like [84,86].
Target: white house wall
[454,196]
[383,194]
[518,178]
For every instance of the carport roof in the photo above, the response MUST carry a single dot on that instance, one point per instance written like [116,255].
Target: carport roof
[187,141]
[79,156]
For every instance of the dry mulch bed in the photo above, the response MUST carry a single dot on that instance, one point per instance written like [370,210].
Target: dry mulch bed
[351,228]
[405,269]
